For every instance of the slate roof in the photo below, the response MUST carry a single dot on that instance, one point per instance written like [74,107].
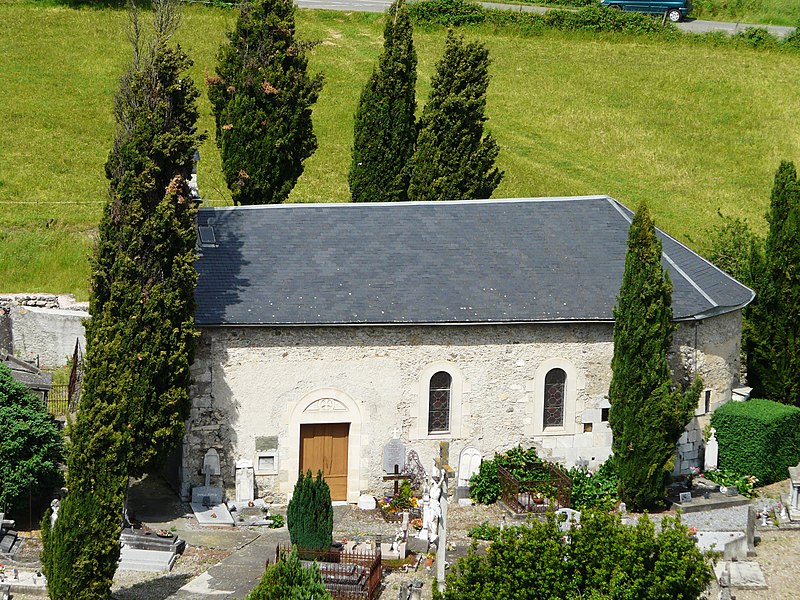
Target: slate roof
[481,261]
[27,373]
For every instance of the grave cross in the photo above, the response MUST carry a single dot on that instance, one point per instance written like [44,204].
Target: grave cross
[396,477]
[441,464]
[446,475]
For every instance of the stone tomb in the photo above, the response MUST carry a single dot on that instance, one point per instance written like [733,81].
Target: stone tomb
[145,550]
[9,541]
[207,500]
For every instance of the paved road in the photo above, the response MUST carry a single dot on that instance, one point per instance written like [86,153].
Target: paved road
[692,25]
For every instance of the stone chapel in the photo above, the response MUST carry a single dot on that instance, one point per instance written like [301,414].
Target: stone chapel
[327,327]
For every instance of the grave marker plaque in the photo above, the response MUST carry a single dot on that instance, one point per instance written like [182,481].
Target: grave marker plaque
[394,456]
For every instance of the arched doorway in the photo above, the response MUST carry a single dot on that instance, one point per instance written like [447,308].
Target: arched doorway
[325,435]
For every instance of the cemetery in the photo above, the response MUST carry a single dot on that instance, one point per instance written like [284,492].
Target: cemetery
[416,545]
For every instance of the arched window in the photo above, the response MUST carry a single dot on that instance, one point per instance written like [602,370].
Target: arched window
[554,387]
[439,403]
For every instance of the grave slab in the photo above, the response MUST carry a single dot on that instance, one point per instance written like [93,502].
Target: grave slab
[135,559]
[744,574]
[27,583]
[732,544]
[212,516]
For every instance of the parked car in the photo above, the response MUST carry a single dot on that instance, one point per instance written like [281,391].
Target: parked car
[675,10]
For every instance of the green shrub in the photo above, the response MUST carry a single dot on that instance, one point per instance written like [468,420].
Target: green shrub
[758,437]
[31,446]
[793,40]
[450,13]
[724,477]
[596,489]
[287,578]
[524,465]
[756,37]
[277,521]
[310,513]
[604,558]
[485,531]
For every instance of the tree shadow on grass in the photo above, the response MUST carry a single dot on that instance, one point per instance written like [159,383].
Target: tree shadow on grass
[158,588]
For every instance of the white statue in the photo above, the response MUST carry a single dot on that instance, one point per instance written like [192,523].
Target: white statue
[426,512]
[435,512]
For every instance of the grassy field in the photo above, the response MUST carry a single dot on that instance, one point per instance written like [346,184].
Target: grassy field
[688,127]
[770,12]
[765,12]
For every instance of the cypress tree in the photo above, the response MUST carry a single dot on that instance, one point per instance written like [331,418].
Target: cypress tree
[310,513]
[384,127]
[647,415]
[261,97]
[453,159]
[140,339]
[773,340]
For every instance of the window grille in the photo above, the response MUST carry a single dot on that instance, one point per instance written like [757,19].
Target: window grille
[439,403]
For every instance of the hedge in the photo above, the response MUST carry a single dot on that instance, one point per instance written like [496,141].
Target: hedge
[758,437]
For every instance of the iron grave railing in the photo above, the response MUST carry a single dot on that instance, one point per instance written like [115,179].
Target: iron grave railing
[547,489]
[348,575]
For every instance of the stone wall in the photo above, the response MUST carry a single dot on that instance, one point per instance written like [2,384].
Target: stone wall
[254,387]
[41,327]
[712,348]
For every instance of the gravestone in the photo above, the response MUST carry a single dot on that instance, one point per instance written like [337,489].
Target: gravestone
[394,455]
[367,502]
[208,495]
[245,485]
[469,463]
[794,493]
[712,451]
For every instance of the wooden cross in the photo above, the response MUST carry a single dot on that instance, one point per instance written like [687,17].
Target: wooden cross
[396,477]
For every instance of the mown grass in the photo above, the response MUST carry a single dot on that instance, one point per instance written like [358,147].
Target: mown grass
[686,126]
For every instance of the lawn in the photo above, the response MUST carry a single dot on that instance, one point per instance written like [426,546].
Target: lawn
[687,126]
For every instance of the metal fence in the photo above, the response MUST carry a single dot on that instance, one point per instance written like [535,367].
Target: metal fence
[62,399]
[549,490]
[348,575]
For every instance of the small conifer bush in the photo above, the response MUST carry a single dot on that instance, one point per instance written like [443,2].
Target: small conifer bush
[310,513]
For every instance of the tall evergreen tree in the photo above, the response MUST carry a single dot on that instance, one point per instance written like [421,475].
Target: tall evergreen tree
[773,340]
[647,415]
[453,159]
[140,339]
[261,97]
[384,127]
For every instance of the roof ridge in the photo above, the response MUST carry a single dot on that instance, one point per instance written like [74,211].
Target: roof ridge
[426,203]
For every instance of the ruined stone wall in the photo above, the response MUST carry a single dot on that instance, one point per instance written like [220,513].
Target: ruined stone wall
[254,387]
[712,349]
[41,327]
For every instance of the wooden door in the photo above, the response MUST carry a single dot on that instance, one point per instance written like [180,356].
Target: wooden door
[323,447]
